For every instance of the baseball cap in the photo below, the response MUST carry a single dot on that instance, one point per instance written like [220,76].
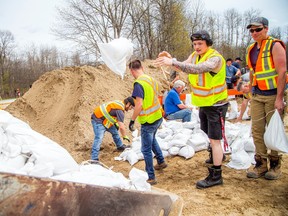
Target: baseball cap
[258,21]
[238,58]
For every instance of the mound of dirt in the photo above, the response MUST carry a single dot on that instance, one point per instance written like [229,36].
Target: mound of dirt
[60,103]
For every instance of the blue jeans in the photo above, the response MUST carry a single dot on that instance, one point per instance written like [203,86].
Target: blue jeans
[99,131]
[149,144]
[184,114]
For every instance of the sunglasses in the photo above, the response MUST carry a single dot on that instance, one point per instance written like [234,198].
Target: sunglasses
[257,30]
[198,37]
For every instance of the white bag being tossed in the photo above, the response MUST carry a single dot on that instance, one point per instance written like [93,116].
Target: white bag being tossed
[274,136]
[116,53]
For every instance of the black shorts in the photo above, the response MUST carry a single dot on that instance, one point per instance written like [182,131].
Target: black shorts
[210,120]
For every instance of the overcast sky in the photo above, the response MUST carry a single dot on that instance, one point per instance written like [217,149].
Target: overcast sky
[30,20]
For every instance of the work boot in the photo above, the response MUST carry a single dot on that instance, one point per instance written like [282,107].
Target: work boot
[160,166]
[123,147]
[210,159]
[259,169]
[152,181]
[214,178]
[275,165]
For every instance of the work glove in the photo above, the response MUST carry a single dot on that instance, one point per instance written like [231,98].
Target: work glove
[116,125]
[131,125]
[126,138]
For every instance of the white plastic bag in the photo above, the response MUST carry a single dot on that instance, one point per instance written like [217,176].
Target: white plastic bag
[275,137]
[116,53]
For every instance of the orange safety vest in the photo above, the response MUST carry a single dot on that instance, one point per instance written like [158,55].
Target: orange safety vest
[104,111]
[264,75]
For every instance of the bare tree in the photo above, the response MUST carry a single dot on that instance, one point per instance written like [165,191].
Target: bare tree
[6,47]
[195,13]
[88,22]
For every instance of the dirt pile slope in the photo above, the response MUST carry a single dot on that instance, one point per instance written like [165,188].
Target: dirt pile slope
[60,103]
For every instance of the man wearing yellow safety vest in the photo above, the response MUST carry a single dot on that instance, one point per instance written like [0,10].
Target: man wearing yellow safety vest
[266,58]
[110,117]
[206,68]
[149,114]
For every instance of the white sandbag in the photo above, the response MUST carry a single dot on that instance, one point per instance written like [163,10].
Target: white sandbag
[15,162]
[231,132]
[135,133]
[237,145]
[174,150]
[164,132]
[165,153]
[275,137]
[140,156]
[174,125]
[116,53]
[12,149]
[96,175]
[191,124]
[185,131]
[132,157]
[3,139]
[249,145]
[233,110]
[239,160]
[163,144]
[129,155]
[198,142]
[43,170]
[245,114]
[168,138]
[186,152]
[188,100]
[138,179]
[178,140]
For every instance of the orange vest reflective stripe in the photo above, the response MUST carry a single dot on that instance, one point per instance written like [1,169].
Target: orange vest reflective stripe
[104,111]
[207,89]
[264,75]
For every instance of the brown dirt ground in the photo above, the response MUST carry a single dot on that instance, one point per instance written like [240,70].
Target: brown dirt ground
[59,106]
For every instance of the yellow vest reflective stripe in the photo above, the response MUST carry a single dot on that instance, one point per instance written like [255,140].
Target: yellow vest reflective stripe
[208,89]
[264,75]
[151,108]
[104,109]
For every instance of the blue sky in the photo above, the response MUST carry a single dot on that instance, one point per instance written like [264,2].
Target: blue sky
[30,20]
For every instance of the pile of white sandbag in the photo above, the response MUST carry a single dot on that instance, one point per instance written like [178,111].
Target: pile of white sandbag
[184,139]
[27,152]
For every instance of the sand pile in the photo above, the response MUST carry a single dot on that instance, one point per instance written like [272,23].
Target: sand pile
[60,103]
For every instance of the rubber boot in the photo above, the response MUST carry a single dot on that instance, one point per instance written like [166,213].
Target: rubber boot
[210,159]
[259,169]
[275,168]
[214,178]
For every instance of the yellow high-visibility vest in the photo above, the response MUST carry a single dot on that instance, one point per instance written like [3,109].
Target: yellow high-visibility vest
[206,88]
[151,108]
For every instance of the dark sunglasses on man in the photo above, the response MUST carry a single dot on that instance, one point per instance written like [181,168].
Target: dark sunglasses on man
[257,30]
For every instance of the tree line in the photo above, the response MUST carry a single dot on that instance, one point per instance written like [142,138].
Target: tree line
[151,25]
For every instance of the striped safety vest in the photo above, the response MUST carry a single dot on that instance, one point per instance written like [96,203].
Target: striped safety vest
[104,111]
[264,75]
[206,88]
[151,108]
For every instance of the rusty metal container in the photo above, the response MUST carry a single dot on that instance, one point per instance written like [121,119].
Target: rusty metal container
[24,195]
